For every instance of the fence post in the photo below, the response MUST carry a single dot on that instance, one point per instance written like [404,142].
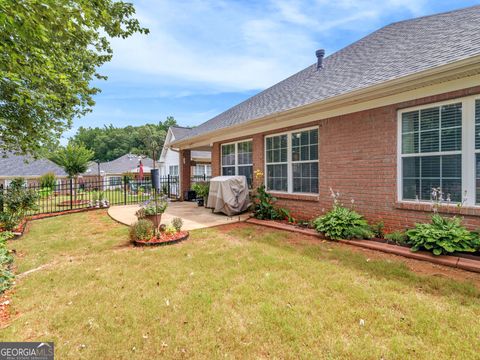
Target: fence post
[71,193]
[204,177]
[1,198]
[168,186]
[125,190]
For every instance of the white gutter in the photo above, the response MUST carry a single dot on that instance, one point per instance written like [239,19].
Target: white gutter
[455,73]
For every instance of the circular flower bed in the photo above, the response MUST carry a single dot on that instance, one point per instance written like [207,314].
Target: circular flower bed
[163,239]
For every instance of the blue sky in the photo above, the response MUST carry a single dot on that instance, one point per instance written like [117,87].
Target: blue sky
[202,57]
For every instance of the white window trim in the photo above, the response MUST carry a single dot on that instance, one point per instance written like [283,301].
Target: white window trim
[236,165]
[468,148]
[289,160]
[175,167]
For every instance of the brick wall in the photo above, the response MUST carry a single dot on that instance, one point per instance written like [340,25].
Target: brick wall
[358,158]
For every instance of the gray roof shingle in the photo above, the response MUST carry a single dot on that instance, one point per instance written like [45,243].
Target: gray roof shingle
[180,132]
[123,164]
[394,51]
[18,165]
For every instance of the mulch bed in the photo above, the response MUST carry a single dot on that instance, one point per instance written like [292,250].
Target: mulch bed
[164,239]
[4,310]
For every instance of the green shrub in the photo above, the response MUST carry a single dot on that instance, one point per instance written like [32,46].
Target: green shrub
[343,223]
[6,260]
[443,236]
[177,223]
[201,189]
[264,208]
[48,180]
[142,230]
[397,237]
[9,221]
[18,199]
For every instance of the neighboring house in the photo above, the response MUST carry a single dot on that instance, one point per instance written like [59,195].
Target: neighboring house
[169,158]
[382,121]
[14,166]
[112,172]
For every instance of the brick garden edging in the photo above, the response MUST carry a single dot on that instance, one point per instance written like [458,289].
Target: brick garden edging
[446,260]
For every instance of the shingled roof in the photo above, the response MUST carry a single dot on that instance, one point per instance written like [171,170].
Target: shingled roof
[392,52]
[123,164]
[26,166]
[180,132]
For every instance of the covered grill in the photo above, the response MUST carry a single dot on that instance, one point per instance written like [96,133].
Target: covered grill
[228,194]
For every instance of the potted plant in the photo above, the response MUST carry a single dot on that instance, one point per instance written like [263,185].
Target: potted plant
[153,209]
[201,189]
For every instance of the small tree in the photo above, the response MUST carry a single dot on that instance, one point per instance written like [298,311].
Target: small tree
[74,159]
[48,180]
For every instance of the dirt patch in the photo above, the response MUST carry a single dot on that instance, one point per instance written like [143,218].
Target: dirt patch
[5,309]
[417,266]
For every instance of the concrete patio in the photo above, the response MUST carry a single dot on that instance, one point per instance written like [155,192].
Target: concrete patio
[193,216]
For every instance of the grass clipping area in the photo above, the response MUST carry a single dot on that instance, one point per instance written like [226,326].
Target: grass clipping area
[229,292]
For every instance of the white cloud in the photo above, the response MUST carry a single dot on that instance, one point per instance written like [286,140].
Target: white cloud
[235,46]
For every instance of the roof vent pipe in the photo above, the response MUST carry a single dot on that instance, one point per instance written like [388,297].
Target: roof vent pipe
[320,54]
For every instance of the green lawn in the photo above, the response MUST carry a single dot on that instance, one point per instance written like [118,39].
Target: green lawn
[247,292]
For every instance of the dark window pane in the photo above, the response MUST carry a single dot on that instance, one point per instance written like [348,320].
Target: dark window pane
[430,166]
[452,166]
[451,115]
[228,171]
[411,188]
[410,121]
[410,143]
[427,186]
[429,141]
[296,153]
[429,119]
[452,188]
[246,171]
[277,177]
[452,139]
[411,167]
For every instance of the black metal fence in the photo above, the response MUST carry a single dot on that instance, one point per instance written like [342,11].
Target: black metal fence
[84,193]
[200,178]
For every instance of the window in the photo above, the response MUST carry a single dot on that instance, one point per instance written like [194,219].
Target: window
[173,170]
[202,170]
[439,147]
[237,159]
[431,152]
[115,181]
[292,161]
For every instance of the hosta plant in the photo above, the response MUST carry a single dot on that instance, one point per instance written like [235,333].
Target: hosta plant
[443,236]
[343,223]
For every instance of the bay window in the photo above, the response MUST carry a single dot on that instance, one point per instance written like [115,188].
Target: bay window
[236,159]
[439,147]
[292,161]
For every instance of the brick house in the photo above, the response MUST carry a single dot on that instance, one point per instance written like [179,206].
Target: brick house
[382,121]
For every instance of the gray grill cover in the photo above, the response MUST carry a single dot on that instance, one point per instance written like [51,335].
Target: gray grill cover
[228,194]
